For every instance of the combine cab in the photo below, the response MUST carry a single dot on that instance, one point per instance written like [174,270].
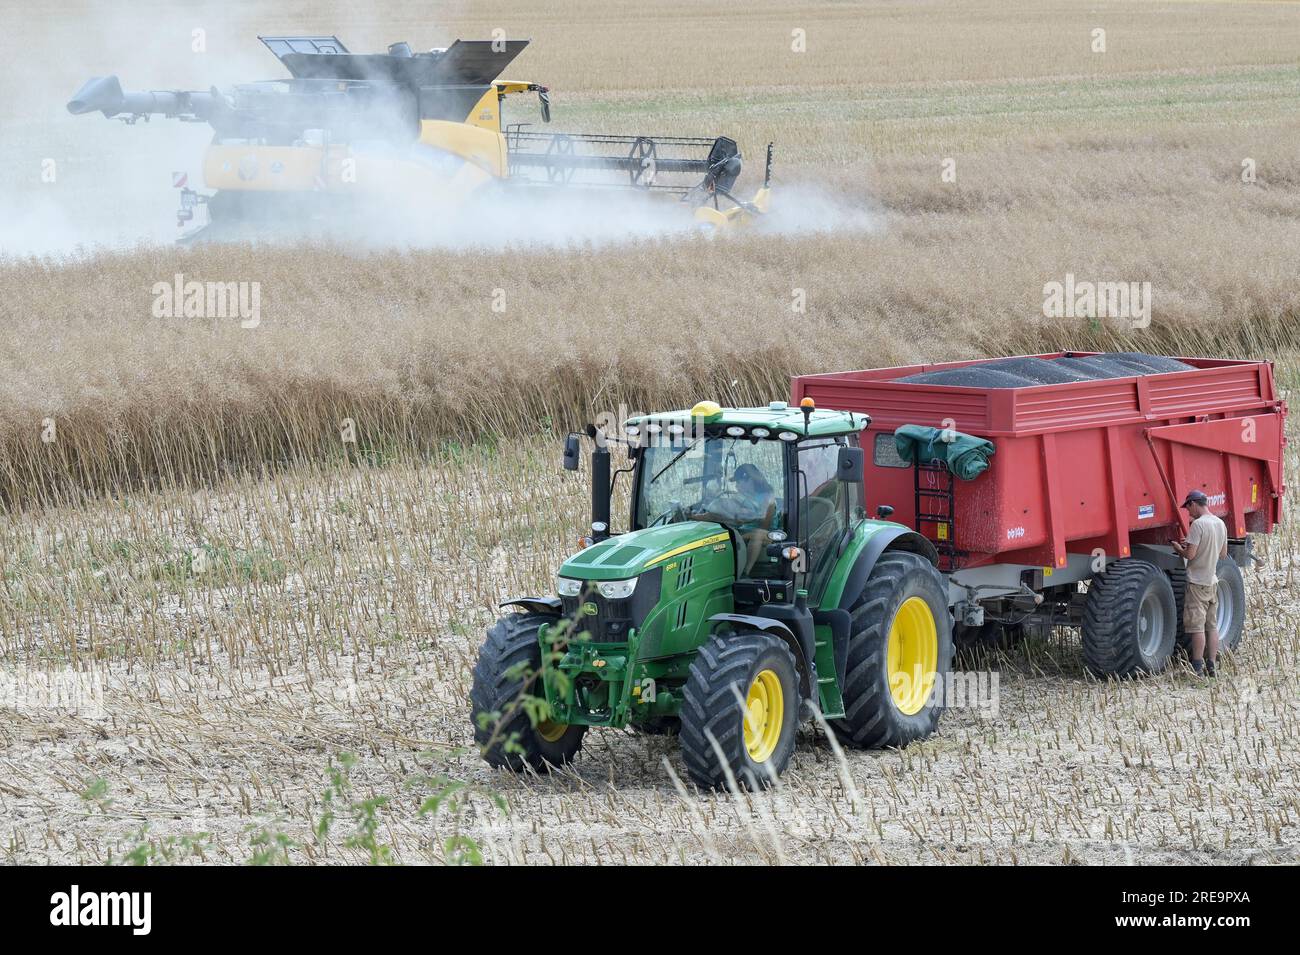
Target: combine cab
[404,134]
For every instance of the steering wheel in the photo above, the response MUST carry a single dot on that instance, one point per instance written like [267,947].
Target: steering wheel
[723,498]
[674,513]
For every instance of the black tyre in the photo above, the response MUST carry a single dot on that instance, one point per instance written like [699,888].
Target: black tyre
[1178,581]
[974,644]
[1130,620]
[900,652]
[987,636]
[505,734]
[659,726]
[1232,604]
[740,710]
[1231,618]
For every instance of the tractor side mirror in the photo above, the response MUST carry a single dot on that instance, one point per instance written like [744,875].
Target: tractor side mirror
[572,451]
[883,511]
[545,98]
[852,466]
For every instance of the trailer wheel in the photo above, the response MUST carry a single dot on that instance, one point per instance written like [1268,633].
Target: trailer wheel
[1178,581]
[740,711]
[1232,604]
[1130,620]
[900,650]
[975,643]
[508,737]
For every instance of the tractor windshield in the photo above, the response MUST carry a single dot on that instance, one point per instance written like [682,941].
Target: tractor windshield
[739,482]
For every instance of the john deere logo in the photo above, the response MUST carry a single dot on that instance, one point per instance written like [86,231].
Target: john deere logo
[589,609]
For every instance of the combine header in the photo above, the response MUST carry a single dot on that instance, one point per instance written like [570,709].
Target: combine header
[385,134]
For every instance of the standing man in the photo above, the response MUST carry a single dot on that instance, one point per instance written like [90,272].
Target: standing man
[1206,543]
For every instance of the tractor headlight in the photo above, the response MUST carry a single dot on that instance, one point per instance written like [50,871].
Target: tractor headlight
[616,589]
[567,586]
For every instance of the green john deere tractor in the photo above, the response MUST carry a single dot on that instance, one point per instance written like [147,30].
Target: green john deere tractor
[750,587]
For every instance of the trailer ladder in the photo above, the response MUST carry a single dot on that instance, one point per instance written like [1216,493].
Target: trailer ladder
[935,511]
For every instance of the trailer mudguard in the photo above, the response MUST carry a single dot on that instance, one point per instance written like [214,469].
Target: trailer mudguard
[870,540]
[778,629]
[550,606]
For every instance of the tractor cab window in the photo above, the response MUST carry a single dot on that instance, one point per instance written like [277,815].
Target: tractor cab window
[826,506]
[737,482]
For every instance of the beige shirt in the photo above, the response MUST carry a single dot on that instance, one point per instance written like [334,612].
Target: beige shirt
[1209,535]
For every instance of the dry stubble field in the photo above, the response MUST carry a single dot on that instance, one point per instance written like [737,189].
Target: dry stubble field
[255,604]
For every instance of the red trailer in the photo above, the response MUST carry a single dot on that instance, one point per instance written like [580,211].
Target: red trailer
[1086,473]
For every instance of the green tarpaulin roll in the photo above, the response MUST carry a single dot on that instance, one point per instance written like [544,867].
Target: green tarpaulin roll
[965,455]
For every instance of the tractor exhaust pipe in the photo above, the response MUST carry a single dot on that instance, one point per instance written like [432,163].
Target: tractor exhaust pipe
[600,491]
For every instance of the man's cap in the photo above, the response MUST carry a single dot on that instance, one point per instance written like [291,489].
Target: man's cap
[1196,497]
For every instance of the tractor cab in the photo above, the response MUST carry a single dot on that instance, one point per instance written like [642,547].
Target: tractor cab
[784,483]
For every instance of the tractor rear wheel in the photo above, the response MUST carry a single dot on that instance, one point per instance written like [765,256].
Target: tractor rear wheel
[1232,604]
[740,711]
[1130,620]
[900,651]
[508,669]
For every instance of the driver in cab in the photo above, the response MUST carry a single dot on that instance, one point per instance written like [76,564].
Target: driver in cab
[750,508]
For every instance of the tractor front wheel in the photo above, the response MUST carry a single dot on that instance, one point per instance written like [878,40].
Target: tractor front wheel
[900,651]
[740,711]
[508,670]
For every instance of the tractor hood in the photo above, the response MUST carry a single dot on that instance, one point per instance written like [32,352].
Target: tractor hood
[628,555]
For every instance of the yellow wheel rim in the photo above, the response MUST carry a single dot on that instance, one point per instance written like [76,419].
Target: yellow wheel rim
[912,658]
[551,731]
[764,715]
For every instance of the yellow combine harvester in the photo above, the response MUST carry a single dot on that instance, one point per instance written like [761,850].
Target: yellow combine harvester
[387,134]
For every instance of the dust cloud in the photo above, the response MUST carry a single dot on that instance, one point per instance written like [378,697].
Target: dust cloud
[77,185]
